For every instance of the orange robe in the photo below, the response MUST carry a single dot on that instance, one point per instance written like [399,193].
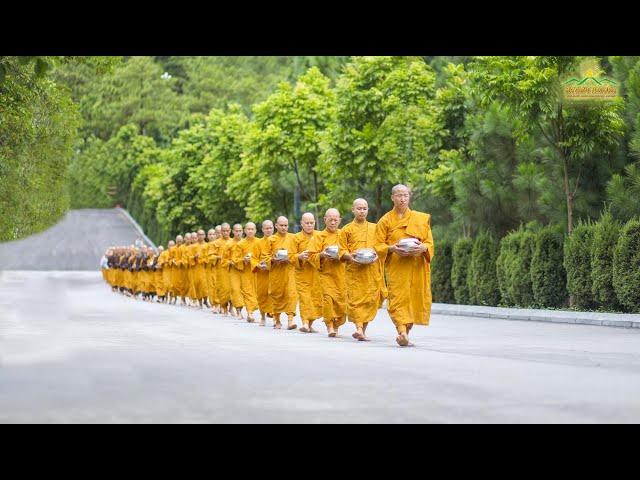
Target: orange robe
[282,283]
[248,285]
[307,280]
[181,279]
[332,278]
[211,252]
[262,278]
[223,282]
[162,274]
[235,276]
[408,278]
[364,283]
[196,258]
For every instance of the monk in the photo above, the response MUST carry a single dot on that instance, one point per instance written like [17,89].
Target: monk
[262,273]
[307,277]
[407,268]
[282,286]
[332,272]
[196,259]
[211,259]
[235,273]
[165,264]
[180,279]
[365,282]
[162,274]
[223,284]
[244,260]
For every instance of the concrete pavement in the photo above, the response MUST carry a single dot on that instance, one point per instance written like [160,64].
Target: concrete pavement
[73,351]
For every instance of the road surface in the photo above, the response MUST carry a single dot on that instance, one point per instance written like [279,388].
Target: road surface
[77,242]
[73,351]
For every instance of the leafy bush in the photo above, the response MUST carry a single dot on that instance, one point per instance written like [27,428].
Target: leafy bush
[577,263]
[481,277]
[548,276]
[522,288]
[459,267]
[507,256]
[605,237]
[441,288]
[626,266]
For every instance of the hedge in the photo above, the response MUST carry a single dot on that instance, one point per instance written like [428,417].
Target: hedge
[548,276]
[605,238]
[626,266]
[481,276]
[441,287]
[521,274]
[459,268]
[577,263]
[507,256]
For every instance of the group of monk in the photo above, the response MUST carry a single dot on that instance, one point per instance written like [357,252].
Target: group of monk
[322,272]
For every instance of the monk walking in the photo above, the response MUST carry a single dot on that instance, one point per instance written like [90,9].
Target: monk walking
[365,282]
[235,274]
[262,273]
[244,259]
[307,278]
[407,264]
[282,286]
[324,255]
[223,284]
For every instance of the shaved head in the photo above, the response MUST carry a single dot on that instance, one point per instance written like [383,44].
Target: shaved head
[250,229]
[308,222]
[332,220]
[282,224]
[400,196]
[360,210]
[267,228]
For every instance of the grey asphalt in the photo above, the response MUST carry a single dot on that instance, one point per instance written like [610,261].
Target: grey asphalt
[73,351]
[77,242]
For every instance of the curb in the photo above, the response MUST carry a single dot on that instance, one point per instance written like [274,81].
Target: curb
[624,320]
[136,226]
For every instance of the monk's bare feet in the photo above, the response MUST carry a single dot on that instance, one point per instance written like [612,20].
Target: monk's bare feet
[277,326]
[304,328]
[402,340]
[357,335]
[292,326]
[364,339]
[263,323]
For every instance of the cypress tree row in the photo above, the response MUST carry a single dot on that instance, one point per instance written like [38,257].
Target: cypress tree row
[605,237]
[577,263]
[626,266]
[459,268]
[481,277]
[505,266]
[521,274]
[441,287]
[548,276]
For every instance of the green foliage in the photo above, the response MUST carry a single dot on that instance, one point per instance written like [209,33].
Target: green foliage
[577,263]
[521,287]
[38,124]
[441,288]
[285,141]
[605,236]
[548,276]
[626,266]
[481,276]
[459,270]
[623,192]
[387,130]
[507,256]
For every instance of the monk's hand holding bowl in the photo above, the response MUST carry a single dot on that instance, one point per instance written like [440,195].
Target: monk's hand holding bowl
[304,256]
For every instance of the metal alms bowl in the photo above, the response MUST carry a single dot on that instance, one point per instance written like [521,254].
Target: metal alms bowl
[282,254]
[407,243]
[365,255]
[332,251]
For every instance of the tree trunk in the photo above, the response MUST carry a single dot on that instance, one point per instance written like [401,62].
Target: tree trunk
[568,195]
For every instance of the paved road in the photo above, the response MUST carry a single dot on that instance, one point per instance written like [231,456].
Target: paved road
[72,351]
[77,242]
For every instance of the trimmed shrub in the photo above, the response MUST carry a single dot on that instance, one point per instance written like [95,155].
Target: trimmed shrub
[548,276]
[481,277]
[441,288]
[459,268]
[507,256]
[605,237]
[577,263]
[522,288]
[626,266]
